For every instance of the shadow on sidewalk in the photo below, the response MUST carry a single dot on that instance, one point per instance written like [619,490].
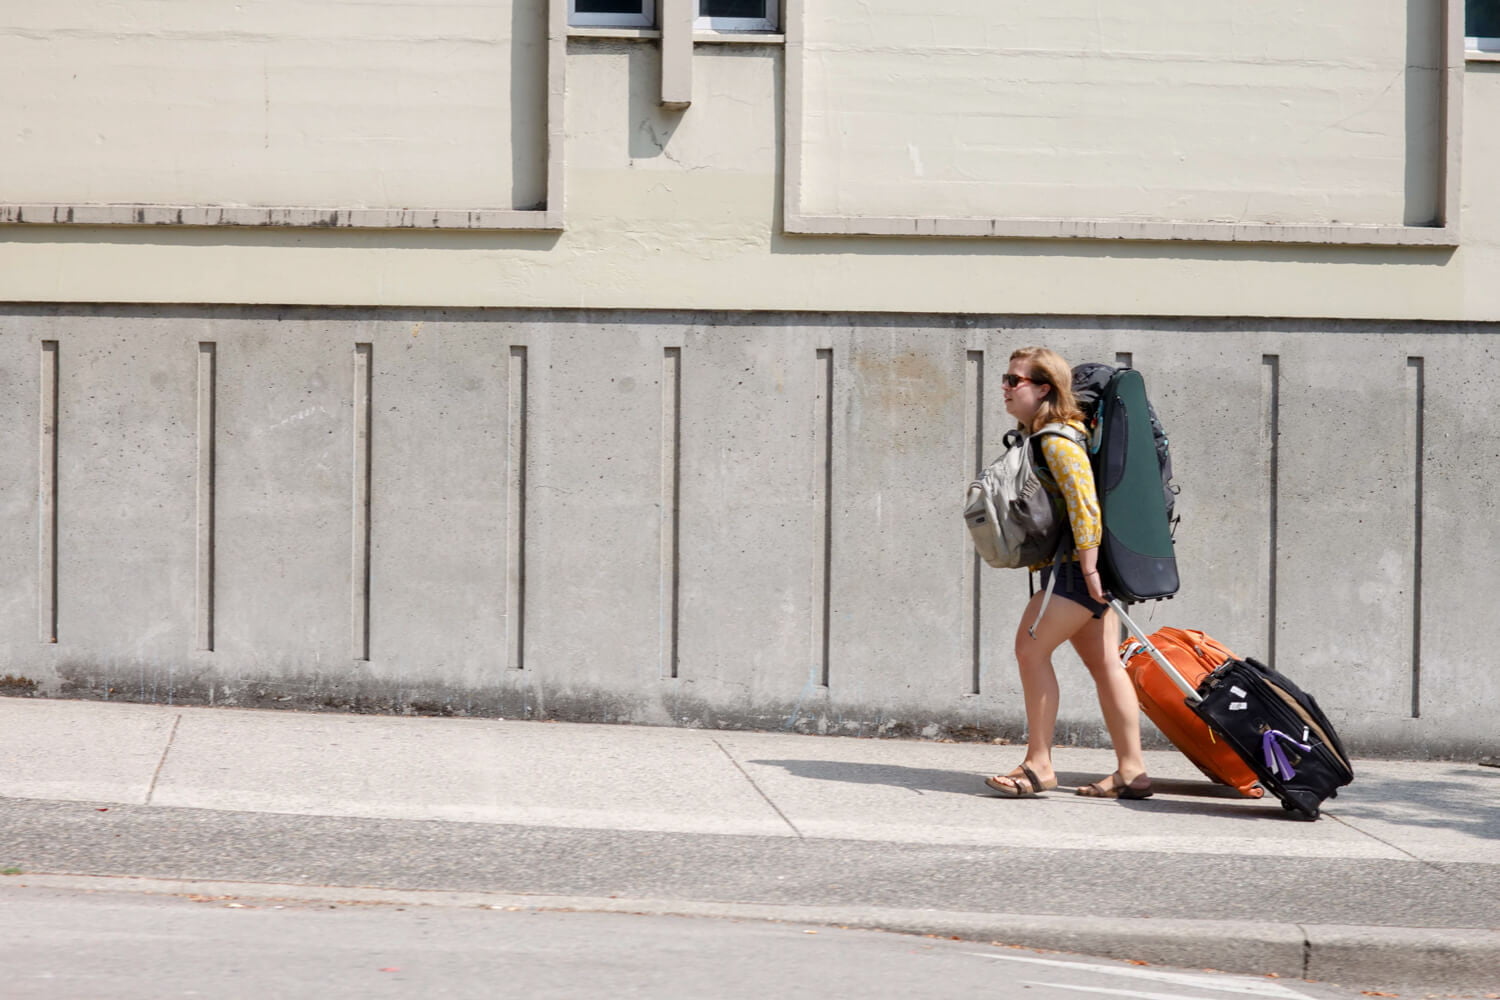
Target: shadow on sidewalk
[922,779]
[1441,805]
[914,779]
[1450,805]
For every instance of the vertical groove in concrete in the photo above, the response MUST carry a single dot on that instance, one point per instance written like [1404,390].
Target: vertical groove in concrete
[47,496]
[671,480]
[822,419]
[1271,394]
[360,561]
[974,457]
[1417,378]
[515,511]
[204,610]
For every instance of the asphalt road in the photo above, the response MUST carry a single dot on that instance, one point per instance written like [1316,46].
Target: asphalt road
[73,944]
[162,842]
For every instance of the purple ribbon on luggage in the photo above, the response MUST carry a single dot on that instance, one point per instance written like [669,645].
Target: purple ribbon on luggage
[1276,762]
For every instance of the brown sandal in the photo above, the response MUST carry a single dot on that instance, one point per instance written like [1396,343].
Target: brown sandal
[1014,789]
[1118,788]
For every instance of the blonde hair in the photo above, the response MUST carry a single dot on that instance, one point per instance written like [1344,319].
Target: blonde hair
[1046,367]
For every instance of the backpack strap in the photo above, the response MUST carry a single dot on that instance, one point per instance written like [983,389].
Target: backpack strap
[1058,429]
[1047,597]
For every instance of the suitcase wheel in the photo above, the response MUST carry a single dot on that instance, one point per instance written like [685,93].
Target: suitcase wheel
[1299,812]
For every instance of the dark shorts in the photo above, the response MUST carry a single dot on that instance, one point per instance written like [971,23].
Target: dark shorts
[1070,584]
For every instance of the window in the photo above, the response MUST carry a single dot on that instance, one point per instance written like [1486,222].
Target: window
[612,13]
[740,15]
[1482,25]
[712,15]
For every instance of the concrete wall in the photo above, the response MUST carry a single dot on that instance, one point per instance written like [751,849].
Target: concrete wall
[707,519]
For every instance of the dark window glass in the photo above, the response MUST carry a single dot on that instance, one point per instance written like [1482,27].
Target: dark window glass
[607,6]
[1482,18]
[732,8]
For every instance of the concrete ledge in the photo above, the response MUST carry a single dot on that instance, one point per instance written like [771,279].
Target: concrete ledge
[1371,957]
[1123,229]
[292,218]
[1405,957]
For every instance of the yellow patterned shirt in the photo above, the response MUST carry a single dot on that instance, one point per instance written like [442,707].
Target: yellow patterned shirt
[1069,465]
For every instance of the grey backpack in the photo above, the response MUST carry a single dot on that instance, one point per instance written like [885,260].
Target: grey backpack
[1011,518]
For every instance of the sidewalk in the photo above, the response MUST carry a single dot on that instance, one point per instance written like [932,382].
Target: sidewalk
[1398,884]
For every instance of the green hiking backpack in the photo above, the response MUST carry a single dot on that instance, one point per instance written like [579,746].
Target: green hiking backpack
[1132,475]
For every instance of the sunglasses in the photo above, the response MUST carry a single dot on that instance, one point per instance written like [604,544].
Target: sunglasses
[1011,381]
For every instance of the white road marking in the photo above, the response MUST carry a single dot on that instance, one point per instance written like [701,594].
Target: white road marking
[1219,984]
[1133,994]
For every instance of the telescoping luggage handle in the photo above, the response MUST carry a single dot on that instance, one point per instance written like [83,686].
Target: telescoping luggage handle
[1188,691]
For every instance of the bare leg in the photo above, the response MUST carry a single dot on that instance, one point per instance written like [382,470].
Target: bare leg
[1096,646]
[1039,680]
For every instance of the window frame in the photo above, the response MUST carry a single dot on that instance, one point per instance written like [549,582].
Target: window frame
[770,23]
[587,19]
[1481,43]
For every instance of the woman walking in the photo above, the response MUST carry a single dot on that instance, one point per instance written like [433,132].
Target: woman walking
[1039,391]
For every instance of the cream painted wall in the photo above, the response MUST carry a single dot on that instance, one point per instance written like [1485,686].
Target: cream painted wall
[1480,254]
[368,103]
[681,210]
[1215,111]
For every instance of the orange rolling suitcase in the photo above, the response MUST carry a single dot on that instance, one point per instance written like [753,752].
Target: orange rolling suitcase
[1195,656]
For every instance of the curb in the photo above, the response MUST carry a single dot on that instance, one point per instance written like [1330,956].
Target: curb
[1448,959]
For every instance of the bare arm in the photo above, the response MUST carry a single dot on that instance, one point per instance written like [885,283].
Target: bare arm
[1088,561]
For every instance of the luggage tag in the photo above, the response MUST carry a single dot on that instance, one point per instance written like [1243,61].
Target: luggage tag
[1275,756]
